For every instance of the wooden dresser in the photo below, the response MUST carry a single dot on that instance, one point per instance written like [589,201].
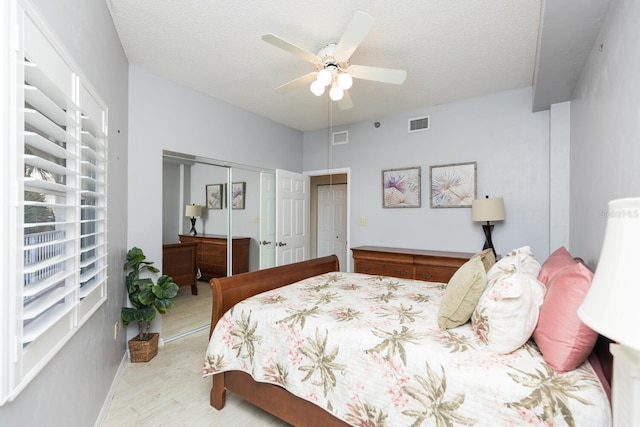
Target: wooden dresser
[430,266]
[179,262]
[212,254]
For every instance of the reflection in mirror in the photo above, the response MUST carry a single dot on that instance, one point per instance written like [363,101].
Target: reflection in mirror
[237,206]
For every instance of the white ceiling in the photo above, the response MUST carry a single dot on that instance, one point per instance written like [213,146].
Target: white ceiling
[451,50]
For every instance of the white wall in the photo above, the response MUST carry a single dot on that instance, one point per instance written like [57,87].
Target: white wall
[605,128]
[559,175]
[509,143]
[172,207]
[71,389]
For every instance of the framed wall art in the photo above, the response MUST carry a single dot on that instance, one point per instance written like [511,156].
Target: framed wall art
[238,190]
[453,185]
[401,188]
[214,196]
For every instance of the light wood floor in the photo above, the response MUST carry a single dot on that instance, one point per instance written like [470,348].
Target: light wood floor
[169,390]
[190,311]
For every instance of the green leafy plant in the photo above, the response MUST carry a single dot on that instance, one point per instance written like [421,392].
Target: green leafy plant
[146,297]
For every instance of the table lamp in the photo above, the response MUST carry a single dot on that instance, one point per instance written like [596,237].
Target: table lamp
[612,305]
[488,210]
[193,211]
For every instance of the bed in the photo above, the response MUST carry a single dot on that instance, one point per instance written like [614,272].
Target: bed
[401,369]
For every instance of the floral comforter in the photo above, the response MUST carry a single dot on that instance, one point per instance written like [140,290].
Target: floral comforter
[368,349]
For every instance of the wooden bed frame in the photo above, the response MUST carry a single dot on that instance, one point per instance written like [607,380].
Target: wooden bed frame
[228,291]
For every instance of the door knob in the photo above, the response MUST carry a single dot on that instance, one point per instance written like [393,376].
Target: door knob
[282,244]
[264,242]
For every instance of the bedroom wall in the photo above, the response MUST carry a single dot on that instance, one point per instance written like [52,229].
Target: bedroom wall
[164,115]
[605,129]
[71,389]
[509,143]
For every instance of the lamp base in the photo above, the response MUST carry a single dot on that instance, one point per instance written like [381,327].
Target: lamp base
[625,390]
[193,231]
[488,228]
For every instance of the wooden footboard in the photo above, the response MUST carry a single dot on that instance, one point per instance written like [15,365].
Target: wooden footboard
[228,291]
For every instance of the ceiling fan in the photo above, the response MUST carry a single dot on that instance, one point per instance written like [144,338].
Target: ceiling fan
[333,69]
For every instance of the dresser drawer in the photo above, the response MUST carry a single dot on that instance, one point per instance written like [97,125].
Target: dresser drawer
[434,274]
[213,259]
[380,269]
[427,265]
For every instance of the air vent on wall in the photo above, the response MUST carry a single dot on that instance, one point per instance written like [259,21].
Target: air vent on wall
[340,137]
[419,124]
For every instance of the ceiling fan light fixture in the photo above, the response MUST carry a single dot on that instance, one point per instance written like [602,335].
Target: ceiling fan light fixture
[345,81]
[317,88]
[336,93]
[324,77]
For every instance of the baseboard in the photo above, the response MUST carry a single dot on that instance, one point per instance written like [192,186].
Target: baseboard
[112,390]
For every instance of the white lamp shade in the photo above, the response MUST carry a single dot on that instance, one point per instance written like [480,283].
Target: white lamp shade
[612,303]
[317,88]
[324,77]
[192,211]
[345,81]
[336,93]
[487,209]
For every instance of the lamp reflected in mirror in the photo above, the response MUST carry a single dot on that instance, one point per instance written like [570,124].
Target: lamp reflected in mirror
[193,211]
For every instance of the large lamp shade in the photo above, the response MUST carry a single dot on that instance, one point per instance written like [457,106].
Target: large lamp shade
[192,211]
[613,301]
[487,209]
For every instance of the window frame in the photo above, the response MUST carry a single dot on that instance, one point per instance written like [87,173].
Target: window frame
[79,199]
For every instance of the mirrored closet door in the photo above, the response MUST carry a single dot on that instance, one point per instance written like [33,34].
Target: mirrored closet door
[236,204]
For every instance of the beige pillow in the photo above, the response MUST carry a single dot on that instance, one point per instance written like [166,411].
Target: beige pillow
[488,258]
[462,294]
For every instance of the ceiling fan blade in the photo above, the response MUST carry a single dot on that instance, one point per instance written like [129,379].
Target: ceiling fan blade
[300,81]
[345,103]
[377,74]
[291,48]
[356,31]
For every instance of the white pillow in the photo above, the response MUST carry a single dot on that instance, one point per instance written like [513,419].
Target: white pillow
[518,260]
[508,310]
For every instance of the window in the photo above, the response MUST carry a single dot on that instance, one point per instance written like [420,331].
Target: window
[57,243]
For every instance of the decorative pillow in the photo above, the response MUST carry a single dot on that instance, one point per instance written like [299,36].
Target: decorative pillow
[508,310]
[462,294]
[565,342]
[519,260]
[557,261]
[488,258]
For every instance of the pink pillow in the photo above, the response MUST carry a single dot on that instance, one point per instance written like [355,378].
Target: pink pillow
[556,262]
[565,342]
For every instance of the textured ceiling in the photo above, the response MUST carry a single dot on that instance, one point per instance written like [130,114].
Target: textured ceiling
[451,50]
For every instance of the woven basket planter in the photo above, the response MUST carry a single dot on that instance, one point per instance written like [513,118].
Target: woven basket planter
[143,351]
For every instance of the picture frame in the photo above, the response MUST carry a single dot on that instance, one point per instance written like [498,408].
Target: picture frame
[401,188]
[214,196]
[238,195]
[453,185]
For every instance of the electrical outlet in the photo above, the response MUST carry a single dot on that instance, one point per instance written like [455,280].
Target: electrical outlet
[116,327]
[362,221]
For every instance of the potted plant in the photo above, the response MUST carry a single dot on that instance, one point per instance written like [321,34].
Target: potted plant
[146,298]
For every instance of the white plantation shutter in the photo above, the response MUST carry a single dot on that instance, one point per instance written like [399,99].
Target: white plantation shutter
[60,190]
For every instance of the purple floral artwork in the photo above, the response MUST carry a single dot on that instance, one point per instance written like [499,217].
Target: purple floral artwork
[237,195]
[401,188]
[453,186]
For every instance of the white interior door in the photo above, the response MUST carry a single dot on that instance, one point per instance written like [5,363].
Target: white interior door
[292,217]
[332,222]
[267,242]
